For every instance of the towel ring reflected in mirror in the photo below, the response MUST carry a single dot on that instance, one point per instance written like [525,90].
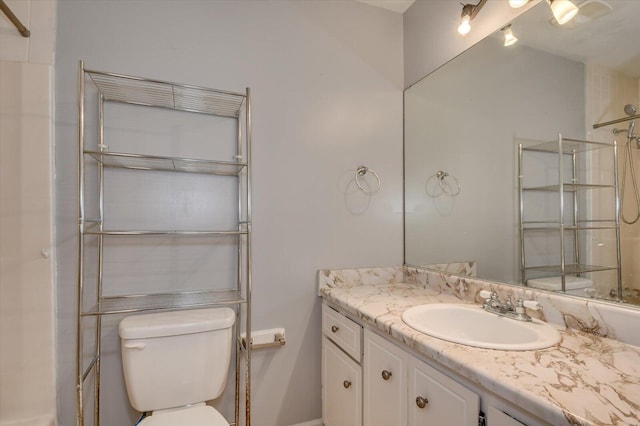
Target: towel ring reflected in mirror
[446,184]
[360,172]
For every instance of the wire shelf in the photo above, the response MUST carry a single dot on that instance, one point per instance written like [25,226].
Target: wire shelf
[568,187]
[165,301]
[569,146]
[172,164]
[95,231]
[571,269]
[555,226]
[162,94]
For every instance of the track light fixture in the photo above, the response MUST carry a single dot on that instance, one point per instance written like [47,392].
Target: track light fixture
[517,3]
[469,11]
[563,10]
[509,38]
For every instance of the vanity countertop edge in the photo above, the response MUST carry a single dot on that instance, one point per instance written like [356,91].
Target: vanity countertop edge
[584,380]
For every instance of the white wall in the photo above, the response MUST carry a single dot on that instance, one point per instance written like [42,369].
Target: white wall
[326,80]
[431,32]
[27,342]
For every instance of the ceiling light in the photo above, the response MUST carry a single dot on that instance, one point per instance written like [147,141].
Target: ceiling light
[509,38]
[469,11]
[465,24]
[563,10]
[517,3]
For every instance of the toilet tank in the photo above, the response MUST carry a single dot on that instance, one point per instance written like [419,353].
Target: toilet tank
[171,359]
[577,286]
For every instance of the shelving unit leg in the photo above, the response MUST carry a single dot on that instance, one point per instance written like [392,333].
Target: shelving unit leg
[79,372]
[617,208]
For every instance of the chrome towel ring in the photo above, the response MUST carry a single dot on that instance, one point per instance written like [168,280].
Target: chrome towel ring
[446,184]
[360,172]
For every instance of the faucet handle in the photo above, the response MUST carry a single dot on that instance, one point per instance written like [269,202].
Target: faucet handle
[509,304]
[531,304]
[521,312]
[486,294]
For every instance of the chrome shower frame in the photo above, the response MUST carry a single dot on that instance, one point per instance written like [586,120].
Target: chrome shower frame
[628,158]
[619,120]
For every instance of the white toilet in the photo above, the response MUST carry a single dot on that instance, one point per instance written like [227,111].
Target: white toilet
[576,286]
[175,361]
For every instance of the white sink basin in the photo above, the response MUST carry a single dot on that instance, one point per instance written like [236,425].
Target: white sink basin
[472,326]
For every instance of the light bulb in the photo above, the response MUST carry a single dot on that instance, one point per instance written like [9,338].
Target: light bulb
[509,38]
[465,25]
[563,10]
[517,3]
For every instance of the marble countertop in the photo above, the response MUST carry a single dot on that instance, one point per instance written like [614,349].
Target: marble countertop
[584,380]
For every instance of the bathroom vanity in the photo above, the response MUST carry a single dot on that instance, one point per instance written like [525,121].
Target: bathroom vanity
[376,370]
[398,388]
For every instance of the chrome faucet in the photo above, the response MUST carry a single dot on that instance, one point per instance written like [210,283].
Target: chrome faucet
[493,304]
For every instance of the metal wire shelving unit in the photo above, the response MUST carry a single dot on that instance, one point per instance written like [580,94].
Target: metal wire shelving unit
[119,88]
[567,189]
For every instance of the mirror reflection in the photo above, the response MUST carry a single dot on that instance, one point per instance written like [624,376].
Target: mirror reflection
[561,212]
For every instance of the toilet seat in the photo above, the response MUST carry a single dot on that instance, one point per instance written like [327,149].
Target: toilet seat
[192,415]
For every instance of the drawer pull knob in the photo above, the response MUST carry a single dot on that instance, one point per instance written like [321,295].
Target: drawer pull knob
[346,384]
[386,374]
[421,402]
[335,328]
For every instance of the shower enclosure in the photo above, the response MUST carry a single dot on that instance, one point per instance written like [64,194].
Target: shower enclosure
[27,278]
[628,166]
[628,162]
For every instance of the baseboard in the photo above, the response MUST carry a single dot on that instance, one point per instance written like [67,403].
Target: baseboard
[37,421]
[316,422]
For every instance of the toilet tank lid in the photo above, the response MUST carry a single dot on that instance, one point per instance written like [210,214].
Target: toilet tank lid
[176,323]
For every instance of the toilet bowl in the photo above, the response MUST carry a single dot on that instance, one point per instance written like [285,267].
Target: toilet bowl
[576,286]
[175,361]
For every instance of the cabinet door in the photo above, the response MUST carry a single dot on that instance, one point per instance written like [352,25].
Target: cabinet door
[385,383]
[496,417]
[341,387]
[435,399]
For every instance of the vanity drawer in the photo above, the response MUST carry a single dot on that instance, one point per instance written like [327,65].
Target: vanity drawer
[342,331]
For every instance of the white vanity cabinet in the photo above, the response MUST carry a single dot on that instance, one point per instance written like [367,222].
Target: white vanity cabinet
[368,380]
[341,370]
[400,389]
[495,417]
[341,387]
[385,390]
[435,399]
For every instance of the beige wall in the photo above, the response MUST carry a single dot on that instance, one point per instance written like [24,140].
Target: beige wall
[27,339]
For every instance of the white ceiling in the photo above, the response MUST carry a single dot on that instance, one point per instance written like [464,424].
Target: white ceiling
[395,5]
[612,39]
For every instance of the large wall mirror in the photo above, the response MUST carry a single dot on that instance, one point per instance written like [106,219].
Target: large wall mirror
[465,210]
